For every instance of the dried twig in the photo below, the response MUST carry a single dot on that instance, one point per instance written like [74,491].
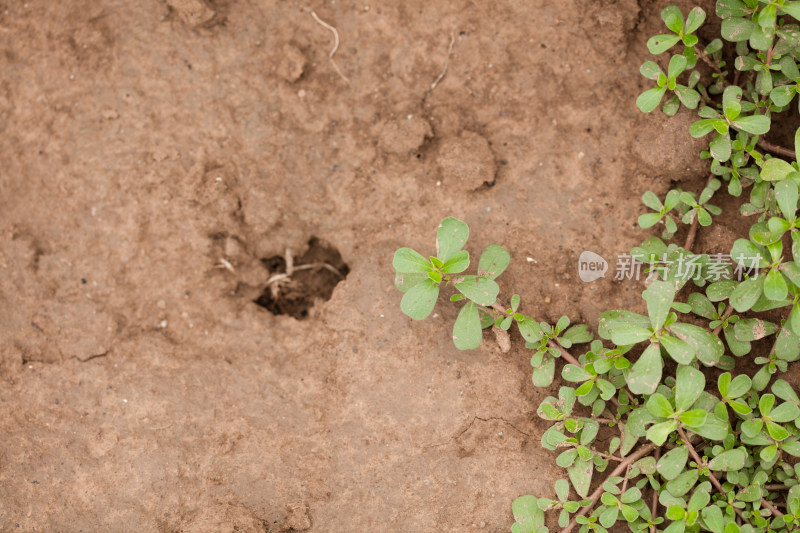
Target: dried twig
[439,78]
[286,275]
[335,45]
[276,280]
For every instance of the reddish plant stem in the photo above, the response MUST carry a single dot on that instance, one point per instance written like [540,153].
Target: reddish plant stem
[654,500]
[571,359]
[710,62]
[625,480]
[776,487]
[775,149]
[568,357]
[768,505]
[728,312]
[622,467]
[698,460]
[713,478]
[690,237]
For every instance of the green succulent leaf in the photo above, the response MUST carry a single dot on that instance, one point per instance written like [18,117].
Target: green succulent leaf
[407,261]
[707,346]
[659,406]
[755,124]
[659,44]
[575,374]
[419,301]
[681,351]
[627,334]
[530,330]
[746,294]
[544,372]
[673,462]
[580,474]
[482,291]
[731,460]
[649,100]
[659,296]
[737,29]
[529,517]
[775,169]
[785,412]
[683,483]
[493,262]
[786,194]
[645,374]
[658,433]
[467,331]
[690,383]
[450,238]
[695,19]
[694,418]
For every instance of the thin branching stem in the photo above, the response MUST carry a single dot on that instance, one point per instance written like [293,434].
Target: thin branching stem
[568,357]
[654,499]
[710,62]
[699,461]
[622,467]
[690,237]
[728,312]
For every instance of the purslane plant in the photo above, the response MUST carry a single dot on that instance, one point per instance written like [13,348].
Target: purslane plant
[685,447]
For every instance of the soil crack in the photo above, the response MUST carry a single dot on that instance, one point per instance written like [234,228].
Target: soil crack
[472,423]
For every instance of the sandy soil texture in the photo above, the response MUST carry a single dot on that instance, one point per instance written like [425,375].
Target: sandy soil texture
[157,159]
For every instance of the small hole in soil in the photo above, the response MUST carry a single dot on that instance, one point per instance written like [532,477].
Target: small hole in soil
[314,276]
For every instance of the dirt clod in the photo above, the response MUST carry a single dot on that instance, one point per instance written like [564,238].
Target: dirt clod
[404,135]
[466,161]
[297,518]
[291,63]
[193,12]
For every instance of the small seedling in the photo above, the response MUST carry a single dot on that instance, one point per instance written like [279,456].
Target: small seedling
[652,436]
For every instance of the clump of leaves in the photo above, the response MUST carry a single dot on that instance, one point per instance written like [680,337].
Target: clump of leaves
[683,449]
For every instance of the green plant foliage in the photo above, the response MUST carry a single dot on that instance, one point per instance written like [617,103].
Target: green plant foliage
[654,426]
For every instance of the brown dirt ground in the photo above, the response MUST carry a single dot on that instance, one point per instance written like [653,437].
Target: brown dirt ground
[144,144]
